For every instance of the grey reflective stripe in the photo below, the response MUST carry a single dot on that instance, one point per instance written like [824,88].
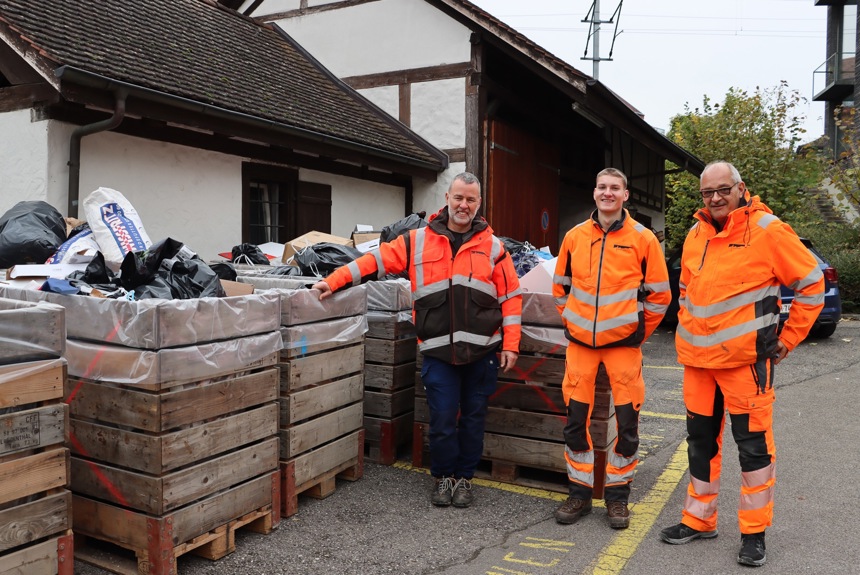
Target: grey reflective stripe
[418,252]
[682,285]
[510,294]
[460,336]
[562,301]
[727,334]
[755,480]
[615,322]
[655,308]
[583,458]
[354,272]
[732,303]
[811,279]
[561,280]
[583,296]
[766,220]
[702,509]
[380,265]
[475,284]
[576,319]
[613,298]
[429,289]
[658,287]
[814,299]
[495,252]
[620,462]
[512,320]
[639,227]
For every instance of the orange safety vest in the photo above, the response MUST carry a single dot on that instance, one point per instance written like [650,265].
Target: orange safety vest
[464,304]
[611,288]
[730,288]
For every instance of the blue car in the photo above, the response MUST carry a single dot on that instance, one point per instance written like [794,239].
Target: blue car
[824,326]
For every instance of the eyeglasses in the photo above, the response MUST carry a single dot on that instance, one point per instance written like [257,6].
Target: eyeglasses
[723,192]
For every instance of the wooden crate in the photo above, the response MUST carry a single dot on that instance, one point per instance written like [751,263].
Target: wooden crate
[31,331]
[206,527]
[35,504]
[321,411]
[384,437]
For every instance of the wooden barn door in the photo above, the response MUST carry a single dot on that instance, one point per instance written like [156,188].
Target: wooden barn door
[522,186]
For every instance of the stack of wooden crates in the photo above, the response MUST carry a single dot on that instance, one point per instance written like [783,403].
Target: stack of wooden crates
[321,386]
[389,369]
[524,436]
[173,416]
[35,504]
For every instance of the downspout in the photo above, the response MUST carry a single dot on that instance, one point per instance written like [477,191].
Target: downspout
[75,147]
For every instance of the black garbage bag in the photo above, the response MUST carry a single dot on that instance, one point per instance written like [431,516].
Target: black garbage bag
[169,270]
[249,254]
[225,271]
[400,227]
[284,271]
[30,232]
[319,260]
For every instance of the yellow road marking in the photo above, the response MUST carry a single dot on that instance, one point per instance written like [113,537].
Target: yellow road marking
[615,555]
[662,415]
[673,367]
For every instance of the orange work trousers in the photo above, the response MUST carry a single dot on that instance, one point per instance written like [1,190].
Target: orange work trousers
[624,369]
[747,393]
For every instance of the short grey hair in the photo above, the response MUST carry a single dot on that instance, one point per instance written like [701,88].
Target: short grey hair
[466,178]
[736,175]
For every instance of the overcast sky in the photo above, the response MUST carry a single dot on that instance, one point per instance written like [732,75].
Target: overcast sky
[672,52]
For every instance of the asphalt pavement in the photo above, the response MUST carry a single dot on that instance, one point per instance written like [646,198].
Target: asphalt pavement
[384,523]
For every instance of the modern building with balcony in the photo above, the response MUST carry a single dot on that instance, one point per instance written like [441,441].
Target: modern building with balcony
[834,82]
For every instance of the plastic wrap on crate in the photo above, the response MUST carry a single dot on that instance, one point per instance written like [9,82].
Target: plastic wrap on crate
[389,295]
[159,323]
[304,306]
[31,331]
[130,366]
[341,330]
[543,339]
[16,371]
[539,309]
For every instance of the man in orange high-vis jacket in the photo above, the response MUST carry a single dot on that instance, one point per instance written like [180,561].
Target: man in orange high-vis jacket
[734,259]
[466,305]
[612,289]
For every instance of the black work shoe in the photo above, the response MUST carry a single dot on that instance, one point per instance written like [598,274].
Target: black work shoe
[752,550]
[443,491]
[680,534]
[619,516]
[463,495]
[571,510]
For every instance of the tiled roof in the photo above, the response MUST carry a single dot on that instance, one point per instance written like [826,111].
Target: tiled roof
[202,51]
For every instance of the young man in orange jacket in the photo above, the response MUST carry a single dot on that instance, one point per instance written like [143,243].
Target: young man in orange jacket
[612,289]
[466,306]
[735,257]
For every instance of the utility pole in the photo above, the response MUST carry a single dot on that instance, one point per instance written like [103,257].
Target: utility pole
[593,18]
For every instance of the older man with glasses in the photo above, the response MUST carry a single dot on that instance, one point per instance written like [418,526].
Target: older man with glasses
[735,257]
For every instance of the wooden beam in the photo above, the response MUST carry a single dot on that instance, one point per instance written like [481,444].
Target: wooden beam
[410,76]
[304,9]
[26,96]
[405,109]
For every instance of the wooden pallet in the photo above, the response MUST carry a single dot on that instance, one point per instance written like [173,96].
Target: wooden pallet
[384,437]
[206,528]
[314,473]
[53,556]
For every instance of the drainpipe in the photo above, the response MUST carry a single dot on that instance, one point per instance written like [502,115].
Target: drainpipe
[75,147]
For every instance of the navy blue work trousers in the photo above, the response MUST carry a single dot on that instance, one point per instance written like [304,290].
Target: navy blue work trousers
[457,396]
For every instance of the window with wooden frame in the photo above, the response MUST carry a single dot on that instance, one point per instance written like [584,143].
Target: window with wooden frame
[277,207]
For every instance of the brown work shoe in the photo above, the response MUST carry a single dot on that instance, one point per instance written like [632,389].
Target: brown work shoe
[571,510]
[619,516]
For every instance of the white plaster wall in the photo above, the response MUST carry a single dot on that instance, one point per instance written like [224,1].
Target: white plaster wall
[380,37]
[439,112]
[358,202]
[23,159]
[386,97]
[430,196]
[193,196]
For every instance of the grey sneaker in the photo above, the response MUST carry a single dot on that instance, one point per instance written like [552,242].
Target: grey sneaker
[463,496]
[443,491]
[752,551]
[571,510]
[680,534]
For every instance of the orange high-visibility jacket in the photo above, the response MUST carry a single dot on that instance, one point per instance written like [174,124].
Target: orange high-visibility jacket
[611,288]
[463,305]
[729,288]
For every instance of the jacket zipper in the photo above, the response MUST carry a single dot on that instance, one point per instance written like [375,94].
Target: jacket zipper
[597,294]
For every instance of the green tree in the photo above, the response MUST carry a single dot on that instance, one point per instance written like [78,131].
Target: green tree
[759,134]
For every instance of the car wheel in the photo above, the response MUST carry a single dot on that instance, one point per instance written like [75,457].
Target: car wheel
[822,331]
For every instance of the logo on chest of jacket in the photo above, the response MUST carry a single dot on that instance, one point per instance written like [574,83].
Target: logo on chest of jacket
[737,245]
[621,247]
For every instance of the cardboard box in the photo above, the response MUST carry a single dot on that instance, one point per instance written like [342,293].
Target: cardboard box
[359,238]
[237,288]
[539,278]
[309,239]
